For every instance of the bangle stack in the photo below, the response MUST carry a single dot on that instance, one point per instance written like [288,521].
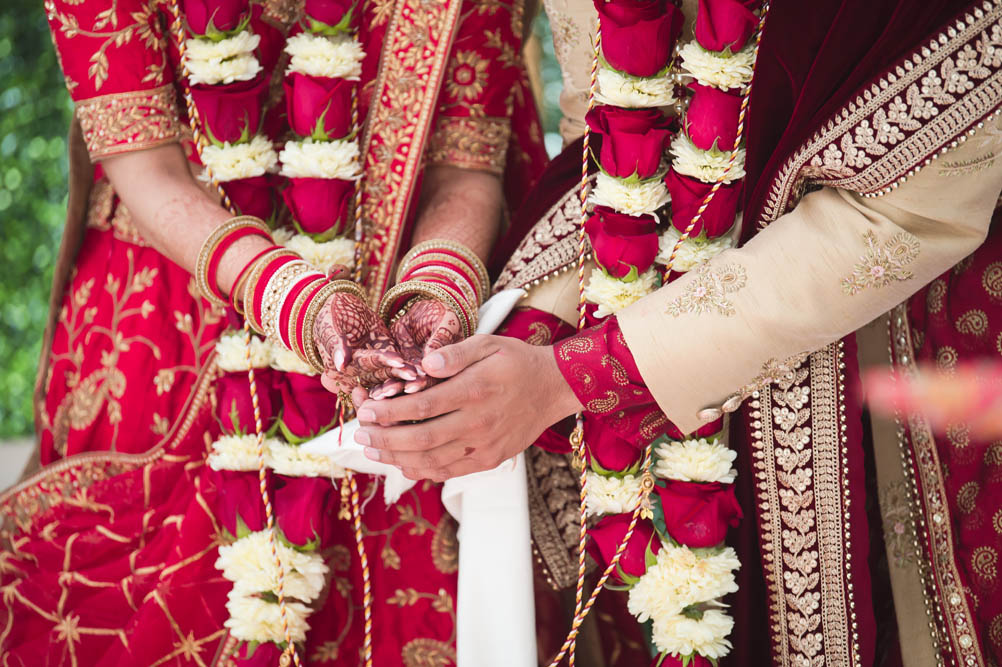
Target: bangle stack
[279,293]
[442,270]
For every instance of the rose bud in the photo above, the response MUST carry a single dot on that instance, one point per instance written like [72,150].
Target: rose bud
[307,408]
[694,660]
[329,12]
[236,411]
[319,205]
[609,450]
[253,196]
[724,24]
[713,117]
[212,17]
[238,501]
[231,113]
[253,654]
[318,107]
[605,538]
[303,511]
[638,36]
[688,194]
[633,140]
[705,431]
[622,243]
[698,514]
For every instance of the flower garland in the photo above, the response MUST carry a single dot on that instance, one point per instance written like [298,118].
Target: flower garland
[276,580]
[665,534]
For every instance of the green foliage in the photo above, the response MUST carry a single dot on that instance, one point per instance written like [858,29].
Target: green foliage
[35,113]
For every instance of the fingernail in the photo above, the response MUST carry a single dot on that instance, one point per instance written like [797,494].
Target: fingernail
[362,437]
[339,360]
[366,415]
[411,389]
[395,363]
[372,454]
[408,375]
[434,362]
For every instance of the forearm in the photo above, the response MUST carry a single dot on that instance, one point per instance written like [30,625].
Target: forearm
[173,211]
[461,205]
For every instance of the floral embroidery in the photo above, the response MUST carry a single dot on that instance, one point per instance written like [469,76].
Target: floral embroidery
[467,76]
[880,266]
[471,143]
[129,121]
[899,528]
[708,290]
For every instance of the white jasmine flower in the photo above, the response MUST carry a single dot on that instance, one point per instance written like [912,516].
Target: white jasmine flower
[680,635]
[322,255]
[713,68]
[291,460]
[255,620]
[338,57]
[612,294]
[231,352]
[287,361]
[231,162]
[611,495]
[622,90]
[692,252]
[250,565]
[629,198]
[681,578]
[237,452]
[701,460]
[708,166]
[321,159]
[239,44]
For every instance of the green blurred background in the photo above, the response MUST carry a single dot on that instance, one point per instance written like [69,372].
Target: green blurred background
[35,113]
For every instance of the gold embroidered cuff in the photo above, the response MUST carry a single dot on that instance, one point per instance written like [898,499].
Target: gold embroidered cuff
[470,143]
[133,121]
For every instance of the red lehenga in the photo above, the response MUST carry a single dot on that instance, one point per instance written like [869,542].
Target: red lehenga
[109,550]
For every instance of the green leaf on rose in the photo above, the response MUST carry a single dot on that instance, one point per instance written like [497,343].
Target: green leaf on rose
[214,34]
[618,474]
[343,26]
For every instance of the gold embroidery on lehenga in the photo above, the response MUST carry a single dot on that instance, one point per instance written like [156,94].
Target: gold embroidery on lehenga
[707,291]
[899,529]
[445,546]
[129,121]
[973,322]
[881,265]
[470,143]
[934,297]
[991,280]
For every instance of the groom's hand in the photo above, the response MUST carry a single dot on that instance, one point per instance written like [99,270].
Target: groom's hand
[500,395]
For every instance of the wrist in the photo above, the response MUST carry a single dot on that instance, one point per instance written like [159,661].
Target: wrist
[564,401]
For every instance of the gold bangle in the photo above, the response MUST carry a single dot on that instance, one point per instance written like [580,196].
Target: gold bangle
[313,311]
[455,277]
[208,249]
[297,307]
[456,247]
[253,278]
[430,290]
[275,291]
[443,260]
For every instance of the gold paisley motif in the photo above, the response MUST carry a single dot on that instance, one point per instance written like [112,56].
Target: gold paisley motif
[991,279]
[934,297]
[997,522]
[993,455]
[619,375]
[946,358]
[541,334]
[967,496]
[424,652]
[973,322]
[959,435]
[445,546]
[984,562]
[603,405]
[575,346]
[995,630]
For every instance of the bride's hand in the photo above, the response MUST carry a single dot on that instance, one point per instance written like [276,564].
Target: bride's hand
[427,326]
[356,347]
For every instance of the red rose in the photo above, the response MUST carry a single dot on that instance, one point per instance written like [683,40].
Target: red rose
[231,113]
[704,431]
[608,449]
[206,17]
[329,12]
[606,537]
[303,512]
[723,24]
[698,514]
[638,36]
[688,194]
[238,501]
[236,412]
[633,140]
[253,196]
[622,242]
[694,660]
[317,106]
[307,408]
[252,654]
[319,205]
[713,117]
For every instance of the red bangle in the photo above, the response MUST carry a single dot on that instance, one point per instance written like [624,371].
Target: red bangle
[220,249]
[300,340]
[415,269]
[286,313]
[243,272]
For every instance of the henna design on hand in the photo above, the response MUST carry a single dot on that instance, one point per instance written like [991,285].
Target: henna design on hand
[427,326]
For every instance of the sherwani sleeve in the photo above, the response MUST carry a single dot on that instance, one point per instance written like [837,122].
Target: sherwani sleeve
[113,56]
[706,341]
[484,74]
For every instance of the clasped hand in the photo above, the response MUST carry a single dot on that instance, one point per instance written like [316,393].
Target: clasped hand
[430,403]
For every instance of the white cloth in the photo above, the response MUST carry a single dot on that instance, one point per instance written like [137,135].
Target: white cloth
[495,618]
